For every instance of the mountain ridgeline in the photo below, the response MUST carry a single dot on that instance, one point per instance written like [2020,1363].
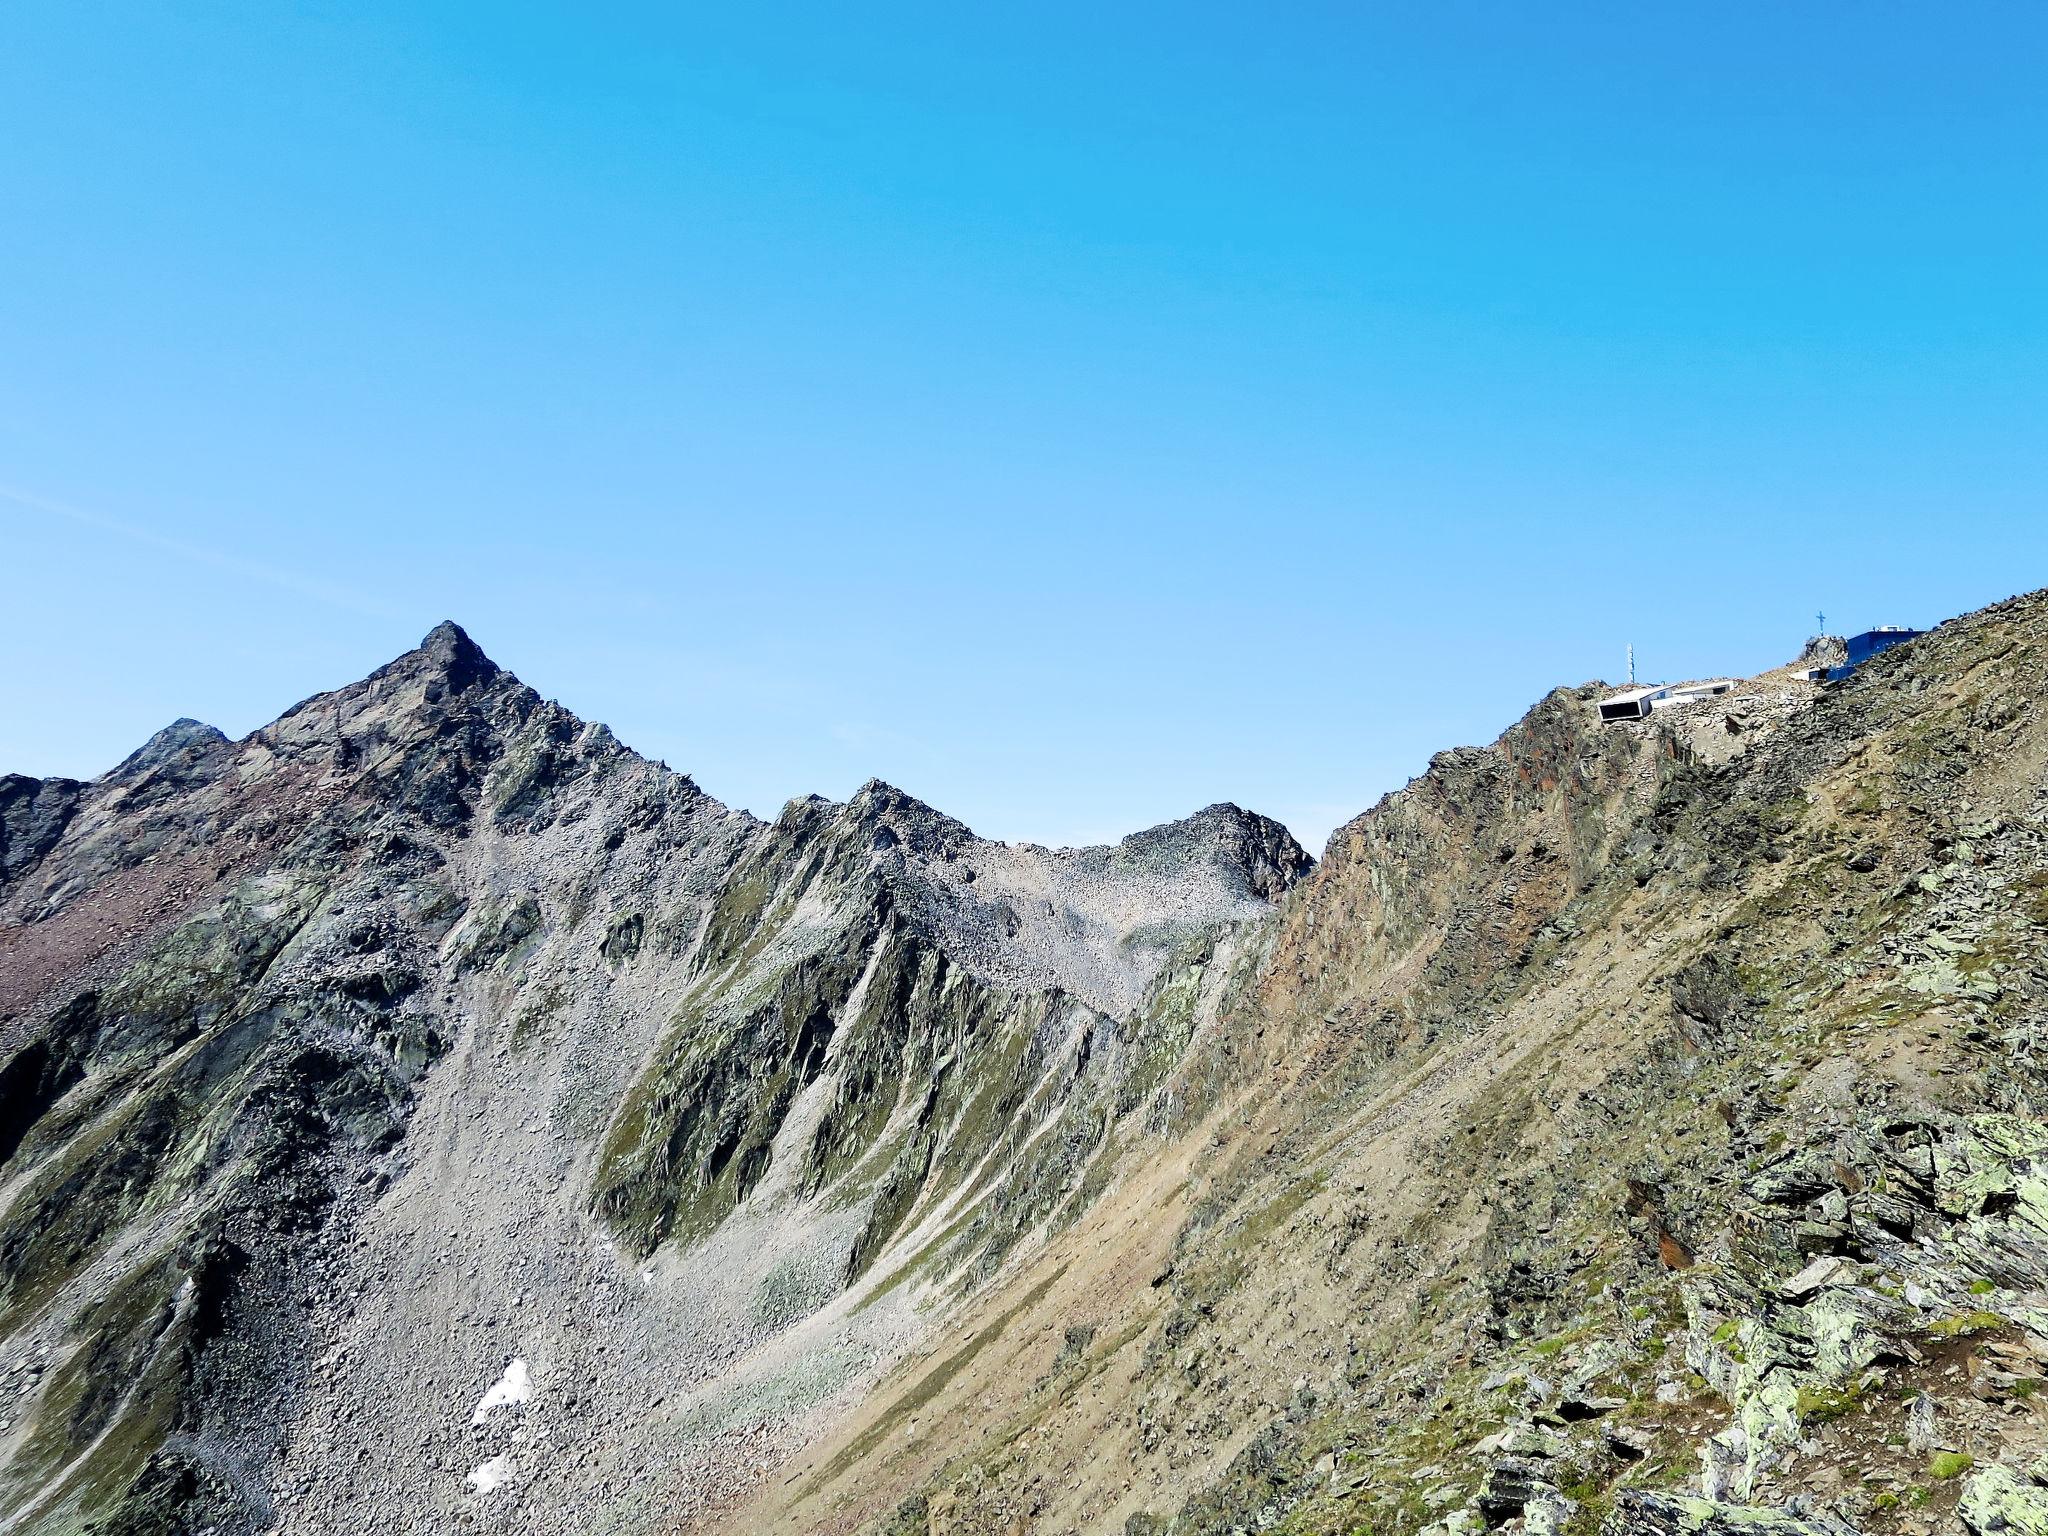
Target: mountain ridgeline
[363,1039]
[427,1113]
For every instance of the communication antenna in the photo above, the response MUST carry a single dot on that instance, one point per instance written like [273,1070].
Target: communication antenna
[1631,666]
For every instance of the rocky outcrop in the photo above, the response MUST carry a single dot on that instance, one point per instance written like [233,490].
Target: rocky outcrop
[33,814]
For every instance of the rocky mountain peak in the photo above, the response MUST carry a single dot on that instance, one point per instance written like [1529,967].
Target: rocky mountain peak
[1256,849]
[183,742]
[901,819]
[450,664]
[449,650]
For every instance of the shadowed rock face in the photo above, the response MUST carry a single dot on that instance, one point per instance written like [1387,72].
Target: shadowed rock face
[428,1027]
[32,817]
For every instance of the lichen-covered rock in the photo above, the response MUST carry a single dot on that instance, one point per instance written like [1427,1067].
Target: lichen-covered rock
[1997,1501]
[1644,1513]
[1512,1484]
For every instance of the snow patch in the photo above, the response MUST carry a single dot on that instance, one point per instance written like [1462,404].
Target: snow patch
[515,1386]
[492,1475]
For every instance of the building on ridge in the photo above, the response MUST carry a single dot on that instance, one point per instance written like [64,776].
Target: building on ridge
[1860,648]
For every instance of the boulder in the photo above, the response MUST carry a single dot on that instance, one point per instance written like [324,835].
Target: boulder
[1640,1512]
[2001,1502]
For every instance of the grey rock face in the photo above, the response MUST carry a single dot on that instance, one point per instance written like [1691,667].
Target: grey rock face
[33,814]
[178,756]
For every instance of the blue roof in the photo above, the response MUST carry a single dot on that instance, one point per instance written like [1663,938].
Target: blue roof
[1866,645]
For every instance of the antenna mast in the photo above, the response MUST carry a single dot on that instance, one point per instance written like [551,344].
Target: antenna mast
[1631,666]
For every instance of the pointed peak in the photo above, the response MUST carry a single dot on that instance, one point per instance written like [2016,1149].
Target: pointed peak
[448,647]
[1255,849]
[184,732]
[907,819]
[184,740]
[880,797]
[447,632]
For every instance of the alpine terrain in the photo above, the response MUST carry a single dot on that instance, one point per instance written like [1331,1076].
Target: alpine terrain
[427,1114]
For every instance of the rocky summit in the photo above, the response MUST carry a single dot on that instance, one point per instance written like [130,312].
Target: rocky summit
[426,1114]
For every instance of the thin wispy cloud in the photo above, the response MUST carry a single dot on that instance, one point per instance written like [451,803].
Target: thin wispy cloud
[332,593]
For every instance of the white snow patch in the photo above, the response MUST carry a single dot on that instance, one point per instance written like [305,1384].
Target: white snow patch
[515,1386]
[492,1475]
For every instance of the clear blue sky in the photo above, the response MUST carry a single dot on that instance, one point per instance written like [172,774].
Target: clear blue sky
[1072,413]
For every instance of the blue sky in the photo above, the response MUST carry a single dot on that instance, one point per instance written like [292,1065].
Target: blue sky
[1074,414]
